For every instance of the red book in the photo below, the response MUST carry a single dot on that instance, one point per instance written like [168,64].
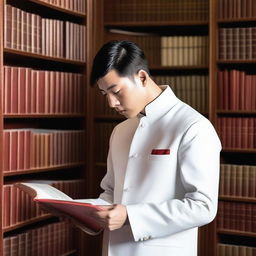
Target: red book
[14,90]
[21,90]
[58,203]
[6,143]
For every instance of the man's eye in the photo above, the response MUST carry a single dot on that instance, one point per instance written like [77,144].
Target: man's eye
[116,92]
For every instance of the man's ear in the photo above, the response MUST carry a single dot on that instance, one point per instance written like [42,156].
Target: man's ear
[143,76]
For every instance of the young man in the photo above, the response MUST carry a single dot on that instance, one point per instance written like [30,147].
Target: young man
[163,162]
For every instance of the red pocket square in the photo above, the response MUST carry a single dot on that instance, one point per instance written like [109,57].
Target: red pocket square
[160,152]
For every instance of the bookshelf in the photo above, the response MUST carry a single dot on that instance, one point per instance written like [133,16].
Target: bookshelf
[235,114]
[131,20]
[148,24]
[44,118]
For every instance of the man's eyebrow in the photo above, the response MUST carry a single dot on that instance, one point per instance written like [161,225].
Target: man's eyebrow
[110,87]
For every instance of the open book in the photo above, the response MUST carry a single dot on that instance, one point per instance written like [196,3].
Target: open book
[58,203]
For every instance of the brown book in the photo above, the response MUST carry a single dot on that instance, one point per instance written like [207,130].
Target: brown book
[7,26]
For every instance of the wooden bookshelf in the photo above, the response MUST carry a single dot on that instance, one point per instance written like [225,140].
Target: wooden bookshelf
[209,26]
[130,24]
[238,199]
[43,169]
[34,59]
[12,53]
[236,233]
[236,156]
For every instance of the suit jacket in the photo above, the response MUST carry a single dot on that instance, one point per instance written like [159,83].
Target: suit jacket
[164,166]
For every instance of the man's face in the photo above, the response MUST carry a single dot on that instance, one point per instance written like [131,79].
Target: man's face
[125,95]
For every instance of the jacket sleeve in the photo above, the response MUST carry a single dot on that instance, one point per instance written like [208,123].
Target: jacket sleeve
[198,167]
[107,183]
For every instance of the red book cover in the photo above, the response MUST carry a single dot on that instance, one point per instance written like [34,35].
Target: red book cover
[47,92]
[58,203]
[28,91]
[242,86]
[6,205]
[6,143]
[14,90]
[34,85]
[21,90]
[233,90]
[41,92]
[8,91]
[226,90]
[13,219]
[13,151]
[20,149]
[57,93]
[52,92]
[248,84]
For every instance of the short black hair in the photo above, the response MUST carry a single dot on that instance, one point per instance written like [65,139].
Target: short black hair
[125,57]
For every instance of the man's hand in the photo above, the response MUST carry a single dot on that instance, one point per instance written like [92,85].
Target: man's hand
[111,217]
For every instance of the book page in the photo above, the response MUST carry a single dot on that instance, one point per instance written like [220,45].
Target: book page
[97,201]
[41,191]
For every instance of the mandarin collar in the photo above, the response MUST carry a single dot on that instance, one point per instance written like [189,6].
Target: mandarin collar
[160,105]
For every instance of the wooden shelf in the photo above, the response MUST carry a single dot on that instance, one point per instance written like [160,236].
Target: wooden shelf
[236,233]
[238,199]
[238,62]
[21,54]
[43,169]
[124,24]
[198,67]
[47,6]
[236,112]
[60,9]
[101,164]
[239,150]
[28,222]
[236,20]
[109,118]
[33,116]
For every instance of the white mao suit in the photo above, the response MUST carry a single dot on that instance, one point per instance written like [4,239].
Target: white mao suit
[164,167]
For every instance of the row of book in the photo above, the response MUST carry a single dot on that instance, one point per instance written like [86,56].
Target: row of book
[167,50]
[236,216]
[19,207]
[29,91]
[150,43]
[237,43]
[236,90]
[235,9]
[184,50]
[52,240]
[237,132]
[155,11]
[72,5]
[235,250]
[29,32]
[237,180]
[192,89]
[37,148]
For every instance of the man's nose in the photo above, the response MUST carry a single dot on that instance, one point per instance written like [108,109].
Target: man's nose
[112,101]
